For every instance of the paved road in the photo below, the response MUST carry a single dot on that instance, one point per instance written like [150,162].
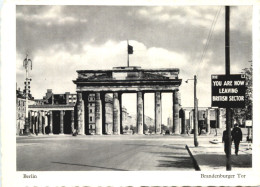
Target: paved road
[108,153]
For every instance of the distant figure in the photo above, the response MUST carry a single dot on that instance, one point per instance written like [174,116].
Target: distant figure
[75,132]
[237,136]
[225,140]
[200,128]
[188,129]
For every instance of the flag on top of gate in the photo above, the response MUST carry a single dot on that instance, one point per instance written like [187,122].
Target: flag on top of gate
[130,49]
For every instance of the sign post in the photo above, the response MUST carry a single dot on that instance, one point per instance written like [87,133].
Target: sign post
[228,91]
[228,110]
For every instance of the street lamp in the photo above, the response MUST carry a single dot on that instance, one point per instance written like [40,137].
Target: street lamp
[195,118]
[26,64]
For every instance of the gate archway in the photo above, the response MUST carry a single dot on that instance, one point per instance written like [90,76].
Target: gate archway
[121,80]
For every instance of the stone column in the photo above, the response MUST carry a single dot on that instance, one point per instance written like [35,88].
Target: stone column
[43,122]
[34,122]
[86,120]
[46,121]
[158,112]
[36,119]
[61,122]
[140,112]
[51,122]
[176,125]
[83,118]
[103,108]
[98,114]
[191,120]
[116,114]
[208,121]
[219,118]
[120,113]
[72,121]
[80,114]
[40,123]
[183,123]
[30,119]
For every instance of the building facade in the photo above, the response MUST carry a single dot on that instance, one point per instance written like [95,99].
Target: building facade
[209,119]
[20,110]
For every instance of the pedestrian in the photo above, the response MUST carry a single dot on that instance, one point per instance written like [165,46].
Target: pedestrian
[200,128]
[75,132]
[225,140]
[237,136]
[188,129]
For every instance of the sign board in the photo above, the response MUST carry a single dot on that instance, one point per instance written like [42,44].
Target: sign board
[228,91]
[248,123]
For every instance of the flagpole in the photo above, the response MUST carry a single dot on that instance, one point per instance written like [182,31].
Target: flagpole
[127,54]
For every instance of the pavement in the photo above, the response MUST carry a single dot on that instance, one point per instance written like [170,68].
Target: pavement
[209,155]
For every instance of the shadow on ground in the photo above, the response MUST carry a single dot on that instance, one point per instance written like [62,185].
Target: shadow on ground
[167,154]
[182,162]
[172,146]
[177,157]
[216,160]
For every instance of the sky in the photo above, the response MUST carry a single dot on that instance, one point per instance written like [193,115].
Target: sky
[63,39]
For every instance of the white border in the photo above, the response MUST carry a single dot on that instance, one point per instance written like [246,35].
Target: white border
[8,138]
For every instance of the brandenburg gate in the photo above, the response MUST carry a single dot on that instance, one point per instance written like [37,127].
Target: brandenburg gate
[121,80]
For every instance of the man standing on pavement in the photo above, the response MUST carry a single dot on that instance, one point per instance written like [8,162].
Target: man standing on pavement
[236,134]
[225,140]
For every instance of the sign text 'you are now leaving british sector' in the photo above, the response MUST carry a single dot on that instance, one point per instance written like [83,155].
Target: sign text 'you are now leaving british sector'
[228,91]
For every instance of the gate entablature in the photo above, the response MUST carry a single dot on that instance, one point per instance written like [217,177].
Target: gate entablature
[128,79]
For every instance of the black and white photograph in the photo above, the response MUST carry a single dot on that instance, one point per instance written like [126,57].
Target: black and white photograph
[135,89]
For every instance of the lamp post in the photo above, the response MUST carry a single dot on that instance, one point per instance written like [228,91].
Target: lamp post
[195,118]
[26,63]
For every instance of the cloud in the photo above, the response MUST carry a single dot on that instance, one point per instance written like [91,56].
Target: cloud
[193,15]
[241,15]
[200,16]
[51,16]
[160,57]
